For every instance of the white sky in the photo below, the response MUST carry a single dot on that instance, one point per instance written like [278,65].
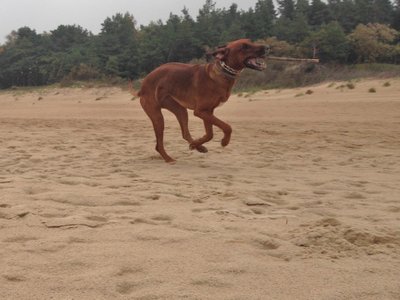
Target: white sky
[46,15]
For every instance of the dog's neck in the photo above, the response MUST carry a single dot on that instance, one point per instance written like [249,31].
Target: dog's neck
[227,70]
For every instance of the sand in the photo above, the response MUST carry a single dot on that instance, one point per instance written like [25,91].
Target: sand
[303,204]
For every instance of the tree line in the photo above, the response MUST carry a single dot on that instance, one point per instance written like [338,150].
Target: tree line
[337,31]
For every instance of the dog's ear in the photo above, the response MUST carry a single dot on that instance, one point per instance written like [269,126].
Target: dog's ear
[221,53]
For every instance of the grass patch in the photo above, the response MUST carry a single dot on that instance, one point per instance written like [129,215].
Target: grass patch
[387,84]
[372,90]
[20,91]
[250,93]
[280,75]
[377,68]
[69,83]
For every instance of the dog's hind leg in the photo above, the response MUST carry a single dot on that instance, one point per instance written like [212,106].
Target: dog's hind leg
[182,115]
[156,117]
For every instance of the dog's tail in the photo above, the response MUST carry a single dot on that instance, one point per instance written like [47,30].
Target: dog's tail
[132,90]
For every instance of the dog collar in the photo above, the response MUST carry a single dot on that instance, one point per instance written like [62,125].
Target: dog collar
[227,70]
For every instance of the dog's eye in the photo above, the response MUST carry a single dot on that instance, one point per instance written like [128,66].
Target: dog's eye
[245,46]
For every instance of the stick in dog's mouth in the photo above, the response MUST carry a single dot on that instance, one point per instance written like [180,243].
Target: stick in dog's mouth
[256,63]
[311,60]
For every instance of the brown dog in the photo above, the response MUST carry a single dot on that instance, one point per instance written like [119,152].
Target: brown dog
[178,87]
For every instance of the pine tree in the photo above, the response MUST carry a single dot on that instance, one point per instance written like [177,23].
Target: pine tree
[265,16]
[302,7]
[182,43]
[118,46]
[207,27]
[364,11]
[286,9]
[294,30]
[396,16]
[153,50]
[319,13]
[383,12]
[346,14]
[67,36]
[233,24]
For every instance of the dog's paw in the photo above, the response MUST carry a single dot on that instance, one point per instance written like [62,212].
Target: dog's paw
[192,146]
[201,149]
[195,146]
[225,142]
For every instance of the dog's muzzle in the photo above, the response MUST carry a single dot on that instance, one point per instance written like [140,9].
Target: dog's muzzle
[257,62]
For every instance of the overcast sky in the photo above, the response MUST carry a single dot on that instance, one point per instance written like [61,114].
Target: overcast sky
[46,15]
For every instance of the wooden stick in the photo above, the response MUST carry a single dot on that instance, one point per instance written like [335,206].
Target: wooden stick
[311,60]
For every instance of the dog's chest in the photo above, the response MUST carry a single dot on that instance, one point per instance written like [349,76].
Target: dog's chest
[223,100]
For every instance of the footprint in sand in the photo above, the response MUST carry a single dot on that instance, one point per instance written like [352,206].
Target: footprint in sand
[201,200]
[257,202]
[20,239]
[32,190]
[154,220]
[75,221]
[53,248]
[97,219]
[128,271]
[355,195]
[154,197]
[258,210]
[317,183]
[127,203]
[77,240]
[360,183]
[394,209]
[137,221]
[14,277]
[364,238]
[162,218]
[266,244]
[274,197]
[211,282]
[232,271]
[126,287]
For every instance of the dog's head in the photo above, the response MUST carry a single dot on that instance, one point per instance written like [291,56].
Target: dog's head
[242,54]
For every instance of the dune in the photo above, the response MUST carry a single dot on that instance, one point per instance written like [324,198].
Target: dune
[303,204]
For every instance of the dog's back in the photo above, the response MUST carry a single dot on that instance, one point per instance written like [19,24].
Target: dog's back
[177,80]
[170,75]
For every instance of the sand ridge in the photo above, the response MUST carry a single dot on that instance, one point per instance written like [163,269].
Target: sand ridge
[303,204]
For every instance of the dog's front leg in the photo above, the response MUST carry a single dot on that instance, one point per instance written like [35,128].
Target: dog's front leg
[206,138]
[209,120]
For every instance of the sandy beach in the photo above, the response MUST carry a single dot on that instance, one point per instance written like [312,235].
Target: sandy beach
[303,204]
